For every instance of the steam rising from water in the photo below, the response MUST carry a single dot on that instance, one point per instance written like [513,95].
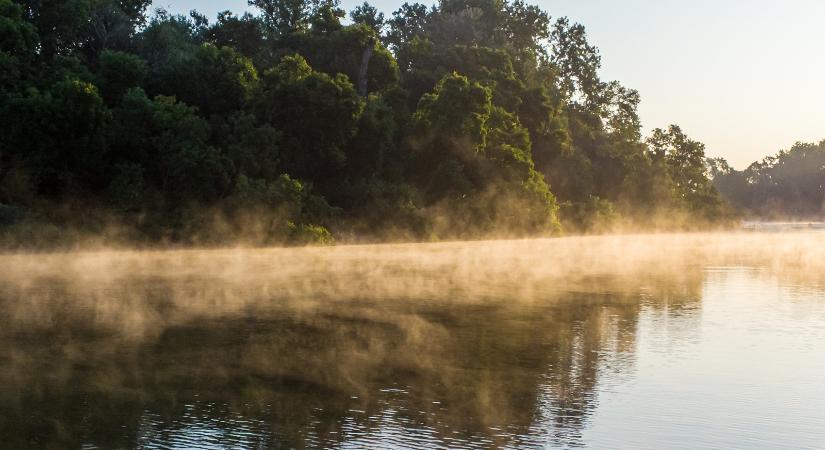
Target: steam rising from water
[213,283]
[503,342]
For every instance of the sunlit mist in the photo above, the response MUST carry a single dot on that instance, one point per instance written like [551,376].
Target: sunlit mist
[496,343]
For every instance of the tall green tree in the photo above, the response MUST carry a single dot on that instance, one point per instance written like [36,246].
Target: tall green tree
[316,114]
[684,159]
[368,15]
[476,159]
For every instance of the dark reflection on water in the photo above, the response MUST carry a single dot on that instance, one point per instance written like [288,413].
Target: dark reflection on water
[77,368]
[484,373]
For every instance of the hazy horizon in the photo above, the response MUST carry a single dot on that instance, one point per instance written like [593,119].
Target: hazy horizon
[757,100]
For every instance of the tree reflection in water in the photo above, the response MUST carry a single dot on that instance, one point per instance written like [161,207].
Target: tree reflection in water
[163,353]
[496,372]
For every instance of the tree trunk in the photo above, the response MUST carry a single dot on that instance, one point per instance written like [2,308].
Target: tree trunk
[362,72]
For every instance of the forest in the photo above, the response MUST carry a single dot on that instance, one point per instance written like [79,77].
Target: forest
[787,186]
[302,123]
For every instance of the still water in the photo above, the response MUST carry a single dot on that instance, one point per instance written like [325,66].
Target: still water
[688,341]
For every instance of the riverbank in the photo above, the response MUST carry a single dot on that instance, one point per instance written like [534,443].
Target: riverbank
[73,227]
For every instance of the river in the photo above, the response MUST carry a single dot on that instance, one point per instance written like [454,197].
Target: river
[638,342]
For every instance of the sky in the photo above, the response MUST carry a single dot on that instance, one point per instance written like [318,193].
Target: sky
[746,78]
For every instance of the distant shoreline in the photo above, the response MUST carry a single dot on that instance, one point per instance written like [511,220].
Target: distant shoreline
[771,226]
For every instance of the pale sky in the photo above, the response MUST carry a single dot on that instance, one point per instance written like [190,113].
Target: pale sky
[747,78]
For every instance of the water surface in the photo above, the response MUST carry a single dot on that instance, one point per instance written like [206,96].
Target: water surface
[691,341]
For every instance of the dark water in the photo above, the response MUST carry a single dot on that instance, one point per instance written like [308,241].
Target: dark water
[706,357]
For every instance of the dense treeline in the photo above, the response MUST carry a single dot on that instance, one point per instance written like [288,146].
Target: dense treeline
[790,185]
[464,119]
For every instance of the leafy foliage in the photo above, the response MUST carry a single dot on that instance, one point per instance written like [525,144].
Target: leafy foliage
[790,184]
[469,118]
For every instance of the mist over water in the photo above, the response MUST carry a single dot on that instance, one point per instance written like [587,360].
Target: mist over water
[637,341]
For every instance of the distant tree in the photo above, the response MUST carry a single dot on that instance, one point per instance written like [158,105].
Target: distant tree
[215,80]
[478,160]
[342,51]
[684,159]
[244,34]
[85,26]
[113,24]
[56,136]
[316,114]
[19,37]
[374,144]
[284,16]
[169,144]
[526,27]
[790,184]
[252,148]
[368,15]
[718,167]
[577,62]
[60,25]
[117,73]
[18,47]
[326,17]
[408,22]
